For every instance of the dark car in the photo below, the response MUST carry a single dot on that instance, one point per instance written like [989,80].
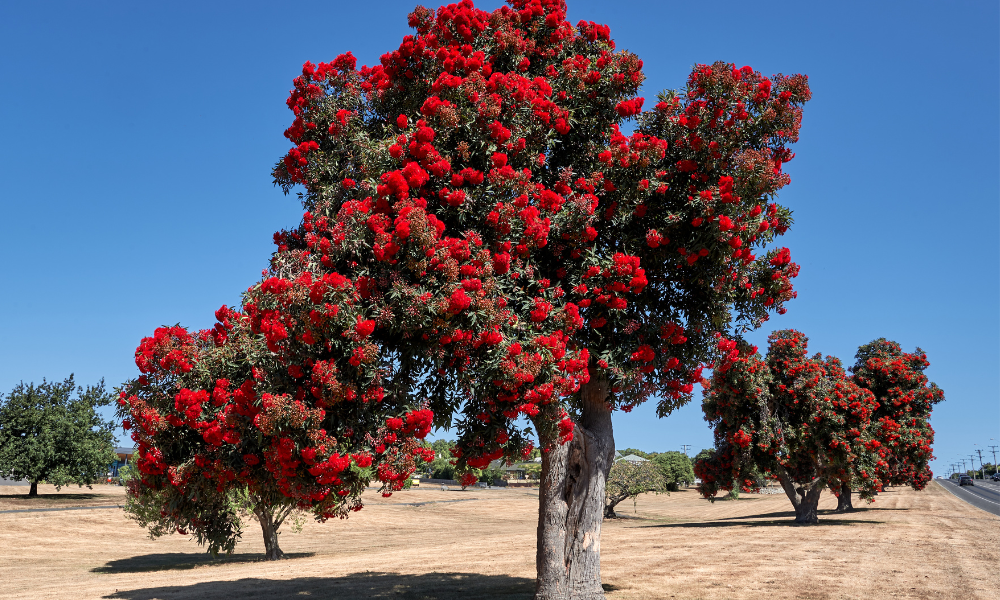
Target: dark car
[995,477]
[965,480]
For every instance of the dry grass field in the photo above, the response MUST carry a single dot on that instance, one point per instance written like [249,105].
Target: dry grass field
[434,544]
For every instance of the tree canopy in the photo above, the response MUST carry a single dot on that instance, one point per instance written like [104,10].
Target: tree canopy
[703,453]
[676,468]
[52,432]
[507,241]
[905,402]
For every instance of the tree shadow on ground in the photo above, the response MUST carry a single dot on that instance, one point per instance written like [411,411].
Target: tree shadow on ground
[783,523]
[728,499]
[622,518]
[179,561]
[428,586]
[45,497]
[791,514]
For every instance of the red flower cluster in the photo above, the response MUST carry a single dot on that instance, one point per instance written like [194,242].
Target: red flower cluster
[170,349]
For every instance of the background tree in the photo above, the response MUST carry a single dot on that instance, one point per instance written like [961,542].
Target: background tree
[792,417]
[442,466]
[902,419]
[442,448]
[533,470]
[47,434]
[628,479]
[675,467]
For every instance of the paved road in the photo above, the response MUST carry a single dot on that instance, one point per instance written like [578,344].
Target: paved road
[984,494]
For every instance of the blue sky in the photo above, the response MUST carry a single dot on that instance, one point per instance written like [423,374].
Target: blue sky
[136,143]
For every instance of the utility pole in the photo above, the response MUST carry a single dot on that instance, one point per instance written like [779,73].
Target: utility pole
[981,468]
[972,463]
[994,449]
[685,448]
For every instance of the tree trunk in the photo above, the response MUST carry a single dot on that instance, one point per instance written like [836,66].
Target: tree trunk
[844,503]
[33,490]
[805,512]
[571,504]
[609,508]
[804,497]
[270,529]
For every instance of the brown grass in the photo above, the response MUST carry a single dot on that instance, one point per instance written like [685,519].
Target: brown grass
[16,497]
[421,544]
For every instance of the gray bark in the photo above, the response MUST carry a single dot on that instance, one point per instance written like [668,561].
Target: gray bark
[269,524]
[804,497]
[844,503]
[571,504]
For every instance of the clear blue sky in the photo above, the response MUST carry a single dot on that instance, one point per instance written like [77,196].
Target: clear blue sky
[136,143]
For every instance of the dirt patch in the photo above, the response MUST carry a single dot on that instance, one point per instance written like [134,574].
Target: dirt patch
[415,545]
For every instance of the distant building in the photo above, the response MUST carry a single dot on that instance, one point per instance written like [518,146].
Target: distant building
[632,458]
[123,456]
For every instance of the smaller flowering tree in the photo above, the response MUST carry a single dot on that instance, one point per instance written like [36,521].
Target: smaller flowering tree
[628,479]
[795,418]
[901,423]
[220,429]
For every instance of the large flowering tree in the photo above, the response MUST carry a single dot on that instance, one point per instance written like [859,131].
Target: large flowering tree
[796,418]
[481,239]
[901,423]
[518,254]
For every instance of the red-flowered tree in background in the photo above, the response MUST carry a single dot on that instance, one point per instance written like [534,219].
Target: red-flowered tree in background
[796,418]
[901,423]
[509,252]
